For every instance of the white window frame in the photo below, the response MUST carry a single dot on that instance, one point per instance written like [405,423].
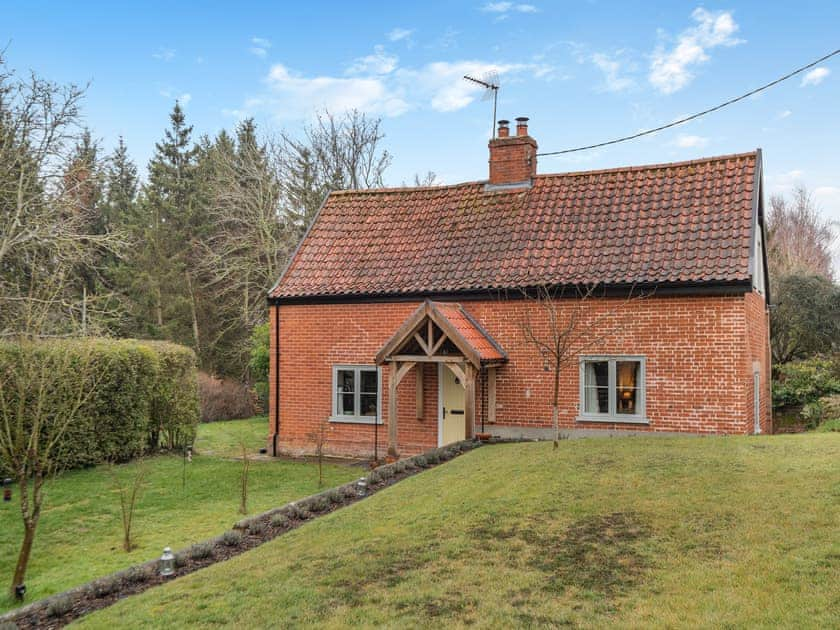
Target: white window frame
[356,419]
[613,416]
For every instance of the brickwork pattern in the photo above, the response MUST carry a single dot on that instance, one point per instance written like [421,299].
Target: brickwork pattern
[700,353]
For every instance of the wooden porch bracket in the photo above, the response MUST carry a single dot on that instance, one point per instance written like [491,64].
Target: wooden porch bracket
[397,372]
[469,400]
[491,395]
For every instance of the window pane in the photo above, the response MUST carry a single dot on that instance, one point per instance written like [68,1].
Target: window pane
[345,381]
[368,378]
[627,377]
[368,402]
[597,373]
[596,399]
[345,405]
[345,401]
[596,391]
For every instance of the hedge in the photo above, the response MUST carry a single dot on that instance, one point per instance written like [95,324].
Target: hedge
[806,381]
[174,407]
[142,391]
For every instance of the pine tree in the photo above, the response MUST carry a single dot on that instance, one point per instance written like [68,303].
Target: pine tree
[120,207]
[173,220]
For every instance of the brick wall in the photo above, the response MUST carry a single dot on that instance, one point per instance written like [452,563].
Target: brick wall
[758,343]
[513,159]
[699,354]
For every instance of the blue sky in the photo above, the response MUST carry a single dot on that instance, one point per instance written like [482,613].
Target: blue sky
[583,71]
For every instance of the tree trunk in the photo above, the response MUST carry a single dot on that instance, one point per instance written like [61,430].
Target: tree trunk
[159,307]
[23,556]
[194,313]
[555,411]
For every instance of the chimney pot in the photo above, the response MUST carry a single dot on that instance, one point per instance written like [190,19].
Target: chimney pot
[513,160]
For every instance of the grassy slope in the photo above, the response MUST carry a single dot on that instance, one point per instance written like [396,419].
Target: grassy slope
[633,532]
[80,536]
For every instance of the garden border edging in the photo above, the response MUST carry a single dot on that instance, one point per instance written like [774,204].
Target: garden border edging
[140,577]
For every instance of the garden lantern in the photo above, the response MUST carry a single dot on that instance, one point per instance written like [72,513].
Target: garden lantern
[20,592]
[361,487]
[7,489]
[167,563]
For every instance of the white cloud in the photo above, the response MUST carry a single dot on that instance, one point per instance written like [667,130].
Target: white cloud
[294,96]
[379,86]
[259,46]
[164,54]
[183,98]
[380,62]
[613,68]
[815,76]
[670,69]
[687,141]
[784,182]
[441,84]
[503,8]
[398,34]
[783,114]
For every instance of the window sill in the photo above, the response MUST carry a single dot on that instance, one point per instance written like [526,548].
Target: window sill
[613,419]
[355,420]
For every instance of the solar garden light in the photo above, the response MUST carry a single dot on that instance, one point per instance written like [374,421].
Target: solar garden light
[7,489]
[20,591]
[167,563]
[361,487]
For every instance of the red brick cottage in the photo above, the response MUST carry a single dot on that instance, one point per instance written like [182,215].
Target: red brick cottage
[398,322]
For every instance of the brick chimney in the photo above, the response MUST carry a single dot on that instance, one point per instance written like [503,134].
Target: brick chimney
[513,159]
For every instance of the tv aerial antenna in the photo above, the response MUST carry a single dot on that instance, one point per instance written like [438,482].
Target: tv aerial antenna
[490,82]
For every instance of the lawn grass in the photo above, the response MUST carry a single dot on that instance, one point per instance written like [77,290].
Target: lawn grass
[79,536]
[225,439]
[631,532]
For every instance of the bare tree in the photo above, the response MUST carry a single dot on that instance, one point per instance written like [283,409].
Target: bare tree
[129,493]
[261,194]
[799,239]
[44,237]
[319,437]
[429,179]
[243,479]
[337,152]
[36,410]
[560,326]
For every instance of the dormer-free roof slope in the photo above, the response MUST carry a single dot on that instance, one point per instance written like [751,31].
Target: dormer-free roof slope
[679,223]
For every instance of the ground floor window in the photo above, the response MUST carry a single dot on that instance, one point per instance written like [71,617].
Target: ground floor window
[356,394]
[612,389]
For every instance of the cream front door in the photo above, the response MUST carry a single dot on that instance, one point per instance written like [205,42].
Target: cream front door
[451,427]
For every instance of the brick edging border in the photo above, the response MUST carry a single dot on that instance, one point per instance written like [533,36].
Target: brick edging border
[60,609]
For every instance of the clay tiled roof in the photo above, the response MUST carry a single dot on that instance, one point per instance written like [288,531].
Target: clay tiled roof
[473,334]
[687,222]
[452,321]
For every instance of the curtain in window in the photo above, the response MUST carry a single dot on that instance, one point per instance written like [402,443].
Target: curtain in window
[596,387]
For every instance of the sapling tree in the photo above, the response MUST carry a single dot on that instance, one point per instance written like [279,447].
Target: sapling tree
[319,437]
[560,324]
[243,479]
[37,406]
[129,491]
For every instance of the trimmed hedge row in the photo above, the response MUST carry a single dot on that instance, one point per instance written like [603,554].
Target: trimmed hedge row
[144,395]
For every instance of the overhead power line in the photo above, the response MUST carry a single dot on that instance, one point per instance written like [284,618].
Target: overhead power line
[698,114]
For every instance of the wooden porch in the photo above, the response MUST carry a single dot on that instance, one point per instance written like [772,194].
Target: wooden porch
[442,333]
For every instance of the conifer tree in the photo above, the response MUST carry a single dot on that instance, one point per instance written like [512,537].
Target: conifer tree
[173,223]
